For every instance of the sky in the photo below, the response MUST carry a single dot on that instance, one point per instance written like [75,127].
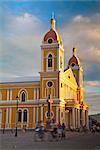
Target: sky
[23,24]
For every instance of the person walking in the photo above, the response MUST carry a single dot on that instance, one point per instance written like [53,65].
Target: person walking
[63,130]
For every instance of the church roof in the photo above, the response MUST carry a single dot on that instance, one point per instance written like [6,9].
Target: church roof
[27,79]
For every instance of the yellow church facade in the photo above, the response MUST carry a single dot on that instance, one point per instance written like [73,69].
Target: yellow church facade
[62,86]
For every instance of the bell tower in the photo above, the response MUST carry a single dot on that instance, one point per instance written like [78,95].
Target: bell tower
[52,50]
[75,65]
[52,61]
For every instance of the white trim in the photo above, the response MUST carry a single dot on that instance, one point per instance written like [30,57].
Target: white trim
[37,93]
[34,93]
[8,92]
[42,61]
[37,114]
[29,102]
[48,46]
[0,118]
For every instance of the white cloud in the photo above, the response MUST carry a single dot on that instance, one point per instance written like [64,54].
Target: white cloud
[84,34]
[92,84]
[80,18]
[20,44]
[23,35]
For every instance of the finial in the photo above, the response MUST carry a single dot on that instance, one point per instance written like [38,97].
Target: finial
[53,21]
[74,51]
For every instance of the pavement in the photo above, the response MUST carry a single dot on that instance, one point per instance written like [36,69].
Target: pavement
[73,141]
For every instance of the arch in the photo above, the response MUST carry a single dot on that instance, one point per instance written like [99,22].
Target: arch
[50,62]
[23,95]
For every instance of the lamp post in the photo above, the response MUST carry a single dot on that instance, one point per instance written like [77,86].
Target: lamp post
[16,114]
[50,101]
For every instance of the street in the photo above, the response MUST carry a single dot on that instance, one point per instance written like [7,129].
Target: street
[74,140]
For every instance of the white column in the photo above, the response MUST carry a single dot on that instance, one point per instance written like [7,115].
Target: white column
[66,118]
[42,113]
[34,93]
[73,117]
[57,114]
[37,114]
[0,118]
[70,118]
[78,118]
[83,117]
[10,114]
[10,94]
[37,93]
[6,125]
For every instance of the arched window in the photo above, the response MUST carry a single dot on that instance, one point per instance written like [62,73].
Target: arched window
[50,60]
[19,115]
[23,96]
[25,116]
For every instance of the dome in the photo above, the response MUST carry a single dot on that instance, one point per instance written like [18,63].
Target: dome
[52,35]
[74,59]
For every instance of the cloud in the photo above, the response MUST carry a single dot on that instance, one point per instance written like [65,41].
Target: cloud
[92,84]
[92,96]
[80,18]
[20,52]
[22,36]
[21,40]
[93,100]
[84,34]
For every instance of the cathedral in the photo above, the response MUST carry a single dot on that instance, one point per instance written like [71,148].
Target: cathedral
[57,93]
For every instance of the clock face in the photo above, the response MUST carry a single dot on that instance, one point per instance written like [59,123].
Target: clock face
[49,84]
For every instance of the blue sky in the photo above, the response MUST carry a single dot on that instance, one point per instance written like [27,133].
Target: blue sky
[23,24]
